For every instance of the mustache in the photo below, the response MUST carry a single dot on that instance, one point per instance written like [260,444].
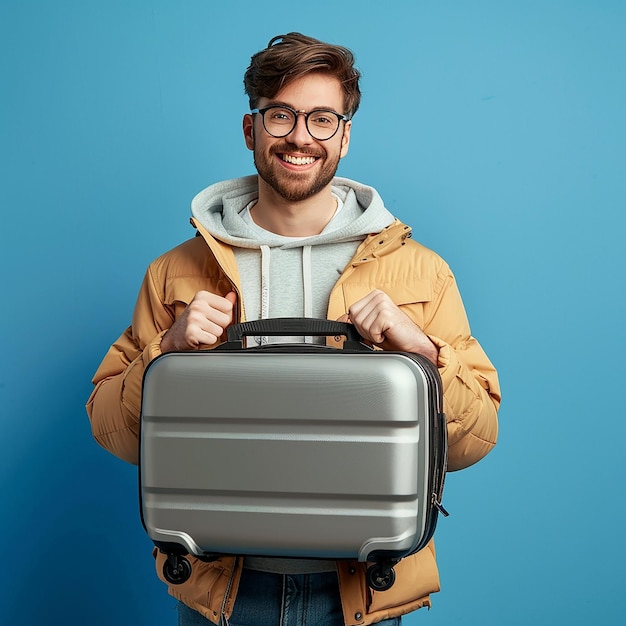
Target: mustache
[288,147]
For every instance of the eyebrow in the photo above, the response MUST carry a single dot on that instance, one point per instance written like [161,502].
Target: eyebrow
[280,103]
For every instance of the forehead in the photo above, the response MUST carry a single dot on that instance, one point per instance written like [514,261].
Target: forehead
[312,91]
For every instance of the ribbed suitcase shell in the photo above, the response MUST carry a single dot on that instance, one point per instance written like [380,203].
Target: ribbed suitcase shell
[298,451]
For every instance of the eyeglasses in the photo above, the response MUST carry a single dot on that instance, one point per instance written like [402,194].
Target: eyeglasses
[279,120]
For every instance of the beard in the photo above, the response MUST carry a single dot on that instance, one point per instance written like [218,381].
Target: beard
[295,186]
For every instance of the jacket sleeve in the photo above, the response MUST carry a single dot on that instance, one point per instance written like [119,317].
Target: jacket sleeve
[115,403]
[470,381]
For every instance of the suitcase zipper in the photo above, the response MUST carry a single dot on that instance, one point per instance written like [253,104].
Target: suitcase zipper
[439,506]
[439,447]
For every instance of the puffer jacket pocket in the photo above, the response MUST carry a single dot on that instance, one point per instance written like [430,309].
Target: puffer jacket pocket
[417,576]
[180,291]
[410,296]
[205,590]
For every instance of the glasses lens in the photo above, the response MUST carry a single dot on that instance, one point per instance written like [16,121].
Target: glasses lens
[279,121]
[322,124]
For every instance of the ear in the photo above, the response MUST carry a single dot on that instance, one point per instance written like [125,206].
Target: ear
[345,139]
[248,130]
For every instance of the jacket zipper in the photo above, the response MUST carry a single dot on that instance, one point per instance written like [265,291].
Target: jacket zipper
[223,618]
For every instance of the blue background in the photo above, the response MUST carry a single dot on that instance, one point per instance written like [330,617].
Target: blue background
[496,128]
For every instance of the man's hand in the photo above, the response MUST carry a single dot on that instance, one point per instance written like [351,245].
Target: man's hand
[379,320]
[202,323]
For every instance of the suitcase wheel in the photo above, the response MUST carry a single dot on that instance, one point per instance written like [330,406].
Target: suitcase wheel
[177,569]
[381,576]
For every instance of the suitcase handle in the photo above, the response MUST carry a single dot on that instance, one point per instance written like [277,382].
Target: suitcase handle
[286,326]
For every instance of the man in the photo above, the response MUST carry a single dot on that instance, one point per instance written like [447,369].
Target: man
[297,241]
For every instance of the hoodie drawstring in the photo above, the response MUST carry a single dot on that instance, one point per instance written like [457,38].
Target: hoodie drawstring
[265,288]
[307,273]
[307,285]
[307,282]
[265,282]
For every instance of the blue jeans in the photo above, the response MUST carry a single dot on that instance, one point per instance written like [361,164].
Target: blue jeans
[266,599]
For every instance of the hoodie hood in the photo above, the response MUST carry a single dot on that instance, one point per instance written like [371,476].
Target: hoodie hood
[219,209]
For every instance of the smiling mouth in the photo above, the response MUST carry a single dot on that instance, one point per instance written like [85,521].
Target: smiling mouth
[303,160]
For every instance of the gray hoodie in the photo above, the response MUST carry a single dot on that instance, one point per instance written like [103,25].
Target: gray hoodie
[289,276]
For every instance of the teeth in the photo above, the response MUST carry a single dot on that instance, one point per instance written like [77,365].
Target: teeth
[298,160]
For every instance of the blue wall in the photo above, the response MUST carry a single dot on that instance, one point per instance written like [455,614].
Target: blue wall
[496,128]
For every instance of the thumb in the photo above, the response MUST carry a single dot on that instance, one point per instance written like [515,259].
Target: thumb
[231,297]
[344,318]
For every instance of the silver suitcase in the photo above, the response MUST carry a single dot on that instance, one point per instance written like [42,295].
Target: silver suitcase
[291,450]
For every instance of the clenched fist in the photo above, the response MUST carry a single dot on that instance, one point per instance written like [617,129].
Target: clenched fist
[380,321]
[202,323]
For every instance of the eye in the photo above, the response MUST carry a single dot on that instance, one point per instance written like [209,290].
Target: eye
[323,118]
[280,115]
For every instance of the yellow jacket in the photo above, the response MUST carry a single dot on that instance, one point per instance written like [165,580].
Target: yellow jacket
[417,280]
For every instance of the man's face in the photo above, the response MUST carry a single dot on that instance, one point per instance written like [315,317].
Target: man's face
[297,166]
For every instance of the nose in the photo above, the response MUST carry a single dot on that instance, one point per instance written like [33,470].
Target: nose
[300,135]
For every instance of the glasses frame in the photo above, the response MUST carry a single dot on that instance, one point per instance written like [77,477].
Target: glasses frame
[296,114]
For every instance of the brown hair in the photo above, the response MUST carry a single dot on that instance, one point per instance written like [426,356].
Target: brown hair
[291,56]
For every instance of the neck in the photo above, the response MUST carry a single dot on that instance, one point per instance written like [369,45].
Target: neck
[304,218]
